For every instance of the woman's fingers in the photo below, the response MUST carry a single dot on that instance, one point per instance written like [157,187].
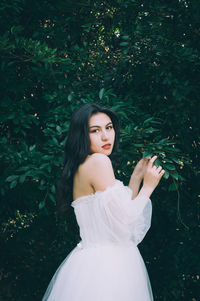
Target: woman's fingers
[159,168]
[152,160]
[161,174]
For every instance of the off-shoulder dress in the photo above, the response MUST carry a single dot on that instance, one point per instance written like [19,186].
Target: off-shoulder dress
[106,264]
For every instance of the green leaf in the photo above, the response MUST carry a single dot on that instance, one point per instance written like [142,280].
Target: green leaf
[58,128]
[172,187]
[125,51]
[42,182]
[52,197]
[22,178]
[32,147]
[181,178]
[53,189]
[163,141]
[13,184]
[42,187]
[125,37]
[23,168]
[16,29]
[41,204]
[124,44]
[147,121]
[157,162]
[175,160]
[166,175]
[55,140]
[101,93]
[147,154]
[168,160]
[69,97]
[138,145]
[170,166]
[11,178]
[174,175]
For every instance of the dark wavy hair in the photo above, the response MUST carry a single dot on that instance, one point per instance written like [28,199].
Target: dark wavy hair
[77,148]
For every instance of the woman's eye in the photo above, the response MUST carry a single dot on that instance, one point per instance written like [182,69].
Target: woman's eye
[97,130]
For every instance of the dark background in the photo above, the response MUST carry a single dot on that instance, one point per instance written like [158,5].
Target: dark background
[140,58]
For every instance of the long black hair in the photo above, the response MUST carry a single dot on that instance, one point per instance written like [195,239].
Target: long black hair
[77,148]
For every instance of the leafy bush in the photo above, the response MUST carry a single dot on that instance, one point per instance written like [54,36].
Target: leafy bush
[141,59]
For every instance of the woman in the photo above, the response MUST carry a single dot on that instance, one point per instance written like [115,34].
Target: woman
[106,264]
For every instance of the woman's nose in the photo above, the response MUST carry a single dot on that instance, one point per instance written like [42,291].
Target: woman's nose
[104,135]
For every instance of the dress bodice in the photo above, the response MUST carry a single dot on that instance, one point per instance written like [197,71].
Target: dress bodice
[112,216]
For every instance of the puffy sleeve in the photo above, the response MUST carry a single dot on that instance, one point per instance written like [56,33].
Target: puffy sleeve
[126,217]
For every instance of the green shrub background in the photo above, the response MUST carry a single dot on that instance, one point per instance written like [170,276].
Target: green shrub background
[140,58]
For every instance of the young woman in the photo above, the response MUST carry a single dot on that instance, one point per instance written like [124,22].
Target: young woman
[106,265]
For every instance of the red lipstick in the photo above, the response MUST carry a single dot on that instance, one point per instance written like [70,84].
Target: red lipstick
[107,146]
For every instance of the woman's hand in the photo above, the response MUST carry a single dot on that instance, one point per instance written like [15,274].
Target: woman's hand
[140,169]
[152,177]
[150,174]
[153,174]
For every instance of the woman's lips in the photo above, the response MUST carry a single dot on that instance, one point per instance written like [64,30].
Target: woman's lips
[106,146]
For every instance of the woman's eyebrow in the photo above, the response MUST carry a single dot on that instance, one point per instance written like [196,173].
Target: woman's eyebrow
[97,126]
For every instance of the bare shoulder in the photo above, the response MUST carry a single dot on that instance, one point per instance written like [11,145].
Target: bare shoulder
[95,173]
[99,159]
[100,171]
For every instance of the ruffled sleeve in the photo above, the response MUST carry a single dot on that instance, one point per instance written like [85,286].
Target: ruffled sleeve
[126,218]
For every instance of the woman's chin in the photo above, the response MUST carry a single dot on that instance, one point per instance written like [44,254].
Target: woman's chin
[107,152]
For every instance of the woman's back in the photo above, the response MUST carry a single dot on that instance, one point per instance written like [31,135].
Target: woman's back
[95,173]
[81,184]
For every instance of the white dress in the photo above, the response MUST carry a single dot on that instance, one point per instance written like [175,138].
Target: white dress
[106,264]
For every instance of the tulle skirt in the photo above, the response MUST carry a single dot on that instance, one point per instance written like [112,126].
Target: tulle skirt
[101,273]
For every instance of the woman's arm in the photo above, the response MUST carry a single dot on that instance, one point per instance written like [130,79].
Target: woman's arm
[151,175]
[134,184]
[137,176]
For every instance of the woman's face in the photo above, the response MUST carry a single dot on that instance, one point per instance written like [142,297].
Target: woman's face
[101,134]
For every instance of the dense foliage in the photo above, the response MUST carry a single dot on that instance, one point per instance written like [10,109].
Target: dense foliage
[142,59]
